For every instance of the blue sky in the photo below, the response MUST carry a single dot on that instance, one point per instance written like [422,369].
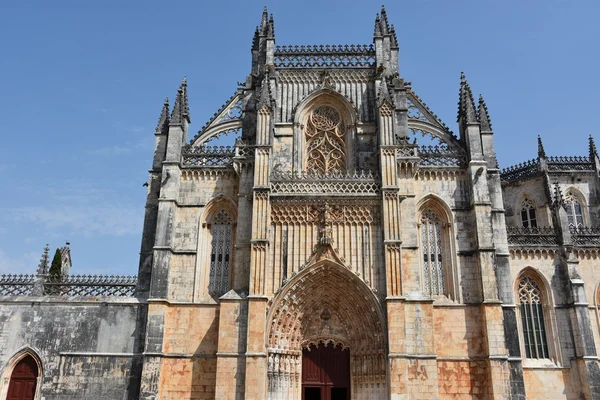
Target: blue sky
[83,83]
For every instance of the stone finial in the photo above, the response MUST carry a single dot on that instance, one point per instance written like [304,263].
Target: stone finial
[266,99]
[466,104]
[384,25]
[384,92]
[541,151]
[163,122]
[255,40]
[394,37]
[264,21]
[181,109]
[271,28]
[43,265]
[377,26]
[593,150]
[483,116]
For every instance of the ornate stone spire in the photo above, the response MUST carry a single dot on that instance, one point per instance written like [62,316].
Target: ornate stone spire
[163,121]
[466,104]
[271,28]
[384,92]
[541,151]
[377,26]
[384,25]
[181,109]
[558,199]
[255,40]
[43,265]
[266,99]
[394,37]
[593,150]
[264,21]
[483,116]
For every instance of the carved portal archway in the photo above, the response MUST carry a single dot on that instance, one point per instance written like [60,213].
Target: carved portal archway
[326,304]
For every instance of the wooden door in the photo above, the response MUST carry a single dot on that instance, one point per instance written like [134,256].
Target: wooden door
[23,380]
[325,373]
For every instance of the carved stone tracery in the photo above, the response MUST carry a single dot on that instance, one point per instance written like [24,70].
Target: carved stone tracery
[325,145]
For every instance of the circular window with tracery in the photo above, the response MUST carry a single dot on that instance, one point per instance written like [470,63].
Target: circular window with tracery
[325,146]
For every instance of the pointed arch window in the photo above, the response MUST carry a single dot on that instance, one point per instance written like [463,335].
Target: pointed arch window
[574,210]
[325,144]
[533,325]
[528,216]
[220,253]
[432,249]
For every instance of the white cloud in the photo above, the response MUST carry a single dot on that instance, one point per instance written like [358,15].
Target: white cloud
[24,264]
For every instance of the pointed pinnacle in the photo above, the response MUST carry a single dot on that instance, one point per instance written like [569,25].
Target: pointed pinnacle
[558,197]
[43,265]
[255,39]
[394,37]
[484,116]
[163,120]
[541,151]
[264,21]
[265,92]
[271,28]
[385,26]
[181,108]
[593,150]
[377,26]
[466,104]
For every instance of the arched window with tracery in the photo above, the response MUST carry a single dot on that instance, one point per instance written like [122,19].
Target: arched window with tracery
[325,141]
[528,216]
[220,253]
[432,249]
[574,210]
[533,324]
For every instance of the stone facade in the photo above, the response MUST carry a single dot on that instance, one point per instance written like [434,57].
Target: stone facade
[346,215]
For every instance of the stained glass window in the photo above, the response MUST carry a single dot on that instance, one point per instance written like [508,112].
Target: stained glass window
[532,318]
[432,250]
[325,146]
[220,254]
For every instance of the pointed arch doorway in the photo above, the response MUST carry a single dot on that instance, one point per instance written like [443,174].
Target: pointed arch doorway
[325,372]
[23,380]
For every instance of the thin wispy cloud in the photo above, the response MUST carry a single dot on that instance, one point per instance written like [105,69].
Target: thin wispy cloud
[25,263]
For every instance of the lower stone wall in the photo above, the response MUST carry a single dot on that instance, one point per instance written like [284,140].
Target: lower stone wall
[188,378]
[550,384]
[87,349]
[460,380]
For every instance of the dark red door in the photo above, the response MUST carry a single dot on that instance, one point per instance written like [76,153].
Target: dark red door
[325,373]
[23,380]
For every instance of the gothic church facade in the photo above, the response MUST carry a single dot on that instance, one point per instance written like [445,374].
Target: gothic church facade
[348,245]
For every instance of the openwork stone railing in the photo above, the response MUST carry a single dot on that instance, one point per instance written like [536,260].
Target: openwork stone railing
[441,156]
[17,284]
[207,156]
[543,236]
[356,182]
[527,169]
[349,56]
[575,163]
[586,236]
[70,285]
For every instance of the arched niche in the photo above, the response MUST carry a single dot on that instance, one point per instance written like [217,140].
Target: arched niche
[324,98]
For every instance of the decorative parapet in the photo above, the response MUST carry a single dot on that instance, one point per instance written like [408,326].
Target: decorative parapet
[350,182]
[586,236]
[531,237]
[570,163]
[525,170]
[325,56]
[17,284]
[207,156]
[441,156]
[69,285]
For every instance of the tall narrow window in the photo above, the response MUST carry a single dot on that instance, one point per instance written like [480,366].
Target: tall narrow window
[574,211]
[325,146]
[220,254]
[528,218]
[532,318]
[432,249]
